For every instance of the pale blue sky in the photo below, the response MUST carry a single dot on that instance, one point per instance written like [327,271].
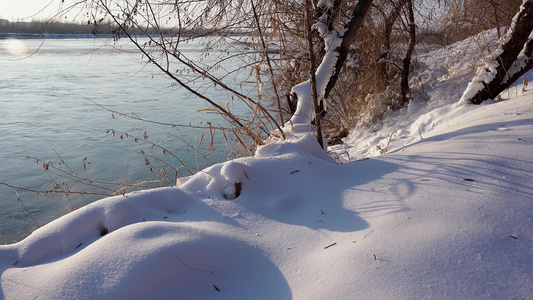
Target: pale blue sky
[14,10]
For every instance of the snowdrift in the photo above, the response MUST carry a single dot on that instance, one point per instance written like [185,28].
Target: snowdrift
[449,216]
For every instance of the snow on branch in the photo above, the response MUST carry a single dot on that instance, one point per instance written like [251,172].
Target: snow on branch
[508,61]
[524,62]
[336,44]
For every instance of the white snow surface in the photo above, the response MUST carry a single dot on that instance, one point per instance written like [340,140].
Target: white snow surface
[446,213]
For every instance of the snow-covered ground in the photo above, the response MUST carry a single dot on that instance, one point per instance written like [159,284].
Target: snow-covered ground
[446,213]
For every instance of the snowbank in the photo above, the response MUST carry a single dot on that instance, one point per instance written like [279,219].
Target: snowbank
[446,217]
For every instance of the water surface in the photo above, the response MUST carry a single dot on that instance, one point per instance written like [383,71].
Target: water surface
[49,91]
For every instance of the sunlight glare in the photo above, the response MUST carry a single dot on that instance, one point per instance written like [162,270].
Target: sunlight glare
[15,47]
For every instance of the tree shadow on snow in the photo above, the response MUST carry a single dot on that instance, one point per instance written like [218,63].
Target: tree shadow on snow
[485,163]
[311,192]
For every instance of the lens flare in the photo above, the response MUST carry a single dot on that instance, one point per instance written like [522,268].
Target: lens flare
[15,47]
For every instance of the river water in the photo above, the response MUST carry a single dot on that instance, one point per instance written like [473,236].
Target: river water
[51,93]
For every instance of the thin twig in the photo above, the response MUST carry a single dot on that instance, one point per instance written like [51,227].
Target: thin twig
[331,245]
[19,200]
[194,269]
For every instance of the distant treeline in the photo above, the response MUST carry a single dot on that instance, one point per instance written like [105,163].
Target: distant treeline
[49,27]
[42,27]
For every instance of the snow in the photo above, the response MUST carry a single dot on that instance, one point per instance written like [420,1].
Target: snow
[442,78]
[304,108]
[446,213]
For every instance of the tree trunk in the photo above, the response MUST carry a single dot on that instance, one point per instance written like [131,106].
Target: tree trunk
[351,28]
[329,69]
[488,83]
[312,58]
[407,60]
[389,20]
[522,65]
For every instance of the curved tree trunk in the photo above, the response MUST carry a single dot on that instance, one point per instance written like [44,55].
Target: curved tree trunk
[328,71]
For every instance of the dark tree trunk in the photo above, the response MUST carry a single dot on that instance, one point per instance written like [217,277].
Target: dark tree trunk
[383,60]
[347,38]
[517,72]
[292,102]
[312,59]
[407,60]
[509,52]
[351,28]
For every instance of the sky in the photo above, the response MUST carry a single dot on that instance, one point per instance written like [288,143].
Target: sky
[28,9]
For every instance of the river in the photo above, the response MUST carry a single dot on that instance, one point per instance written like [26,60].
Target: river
[52,98]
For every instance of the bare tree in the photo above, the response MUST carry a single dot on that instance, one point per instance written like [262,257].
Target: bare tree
[240,22]
[169,26]
[469,17]
[389,20]
[376,78]
[336,45]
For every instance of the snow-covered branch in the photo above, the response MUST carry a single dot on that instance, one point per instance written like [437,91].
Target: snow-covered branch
[493,78]
[337,44]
